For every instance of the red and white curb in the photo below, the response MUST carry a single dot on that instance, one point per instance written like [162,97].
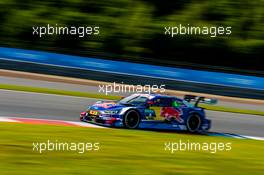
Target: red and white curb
[47,122]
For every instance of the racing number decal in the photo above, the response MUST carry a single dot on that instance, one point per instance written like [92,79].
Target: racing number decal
[93,112]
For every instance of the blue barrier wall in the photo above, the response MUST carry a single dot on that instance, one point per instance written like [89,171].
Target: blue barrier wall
[185,75]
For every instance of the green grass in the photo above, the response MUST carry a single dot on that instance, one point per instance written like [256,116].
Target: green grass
[127,152]
[57,92]
[230,109]
[115,97]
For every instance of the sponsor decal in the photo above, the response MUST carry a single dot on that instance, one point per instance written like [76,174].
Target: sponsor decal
[171,113]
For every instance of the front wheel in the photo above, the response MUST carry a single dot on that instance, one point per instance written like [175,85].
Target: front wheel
[193,123]
[131,119]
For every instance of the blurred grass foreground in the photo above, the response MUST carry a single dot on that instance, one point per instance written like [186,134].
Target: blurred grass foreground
[134,30]
[121,152]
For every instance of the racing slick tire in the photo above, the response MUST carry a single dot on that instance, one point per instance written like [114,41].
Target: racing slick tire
[193,123]
[131,119]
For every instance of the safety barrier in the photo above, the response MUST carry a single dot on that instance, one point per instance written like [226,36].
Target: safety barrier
[132,69]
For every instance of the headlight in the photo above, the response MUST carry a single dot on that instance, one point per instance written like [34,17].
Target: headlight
[110,112]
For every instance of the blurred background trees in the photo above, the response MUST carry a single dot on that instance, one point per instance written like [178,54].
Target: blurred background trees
[134,30]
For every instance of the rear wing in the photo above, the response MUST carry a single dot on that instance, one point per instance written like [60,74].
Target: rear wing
[196,100]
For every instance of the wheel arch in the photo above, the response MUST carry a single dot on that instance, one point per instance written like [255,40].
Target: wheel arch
[200,114]
[139,119]
[195,113]
[135,109]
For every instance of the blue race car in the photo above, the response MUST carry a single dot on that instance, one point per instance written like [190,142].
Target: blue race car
[151,111]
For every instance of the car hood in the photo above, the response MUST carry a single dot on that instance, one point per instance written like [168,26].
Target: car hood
[106,105]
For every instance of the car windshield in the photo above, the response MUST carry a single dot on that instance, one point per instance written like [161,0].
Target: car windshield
[134,100]
[188,104]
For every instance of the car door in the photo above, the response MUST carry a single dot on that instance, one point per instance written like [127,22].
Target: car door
[158,105]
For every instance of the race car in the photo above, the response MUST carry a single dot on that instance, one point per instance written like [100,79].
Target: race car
[151,111]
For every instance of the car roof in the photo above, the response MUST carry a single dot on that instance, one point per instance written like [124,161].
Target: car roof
[152,96]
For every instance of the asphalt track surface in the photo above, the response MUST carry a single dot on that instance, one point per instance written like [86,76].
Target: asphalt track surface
[94,89]
[45,106]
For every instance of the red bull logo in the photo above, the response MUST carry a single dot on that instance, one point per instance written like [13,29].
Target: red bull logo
[171,113]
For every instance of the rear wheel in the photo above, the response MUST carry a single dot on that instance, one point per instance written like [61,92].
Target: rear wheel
[193,123]
[131,119]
